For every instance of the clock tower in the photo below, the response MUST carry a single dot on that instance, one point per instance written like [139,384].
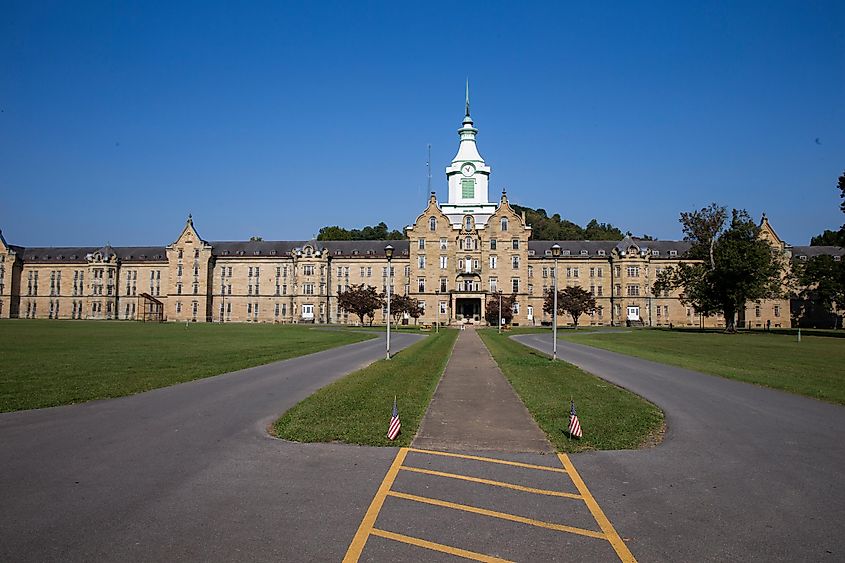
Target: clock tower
[468,177]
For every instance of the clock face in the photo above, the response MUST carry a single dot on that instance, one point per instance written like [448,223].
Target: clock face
[468,169]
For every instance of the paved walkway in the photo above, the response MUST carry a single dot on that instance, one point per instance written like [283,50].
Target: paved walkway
[475,408]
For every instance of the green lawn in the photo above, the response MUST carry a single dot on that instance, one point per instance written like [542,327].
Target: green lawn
[611,418]
[357,408]
[815,367]
[48,363]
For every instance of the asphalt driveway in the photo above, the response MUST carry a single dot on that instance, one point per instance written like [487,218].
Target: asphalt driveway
[188,472]
[745,473]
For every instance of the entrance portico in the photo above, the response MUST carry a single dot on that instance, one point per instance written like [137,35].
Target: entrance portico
[469,306]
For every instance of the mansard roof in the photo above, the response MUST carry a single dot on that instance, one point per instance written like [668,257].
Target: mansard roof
[77,254]
[812,251]
[264,248]
[589,248]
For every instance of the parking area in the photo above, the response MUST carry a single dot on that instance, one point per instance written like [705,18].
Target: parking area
[436,505]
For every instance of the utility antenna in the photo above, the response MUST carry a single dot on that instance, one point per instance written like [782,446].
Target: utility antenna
[428,167]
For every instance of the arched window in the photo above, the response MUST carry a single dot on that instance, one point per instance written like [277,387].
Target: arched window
[504,223]
[468,222]
[468,243]
[432,224]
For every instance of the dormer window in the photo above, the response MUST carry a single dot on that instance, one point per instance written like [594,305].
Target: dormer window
[802,258]
[369,253]
[548,253]
[355,252]
[565,253]
[584,253]
[837,259]
[531,253]
[256,253]
[225,253]
[273,252]
[602,253]
[673,253]
[655,253]
[240,252]
[337,252]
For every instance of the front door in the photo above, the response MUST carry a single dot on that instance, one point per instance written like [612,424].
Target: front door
[633,313]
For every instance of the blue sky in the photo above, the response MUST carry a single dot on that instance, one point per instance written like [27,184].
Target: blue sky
[274,119]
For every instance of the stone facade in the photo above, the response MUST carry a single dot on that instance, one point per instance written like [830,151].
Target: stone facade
[458,255]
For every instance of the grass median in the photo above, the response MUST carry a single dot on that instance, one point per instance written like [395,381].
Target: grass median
[611,417]
[814,367]
[357,408]
[49,363]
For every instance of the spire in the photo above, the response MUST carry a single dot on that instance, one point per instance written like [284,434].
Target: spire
[467,114]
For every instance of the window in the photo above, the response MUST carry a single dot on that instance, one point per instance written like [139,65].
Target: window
[515,262]
[515,307]
[492,244]
[757,311]
[421,244]
[530,271]
[515,285]
[442,243]
[504,224]
[178,304]
[442,285]
[421,262]
[467,188]
[444,262]
[468,222]
[307,269]
[633,271]
[515,244]
[545,271]
[673,253]
[599,294]
[777,310]
[308,288]
[442,307]
[530,289]
[633,290]
[493,262]
[618,290]
[369,271]
[432,224]
[421,285]
[598,272]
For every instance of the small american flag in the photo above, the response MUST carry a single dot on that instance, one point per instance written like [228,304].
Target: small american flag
[574,425]
[395,425]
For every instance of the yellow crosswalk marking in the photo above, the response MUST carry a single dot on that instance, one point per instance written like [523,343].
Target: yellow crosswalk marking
[491,482]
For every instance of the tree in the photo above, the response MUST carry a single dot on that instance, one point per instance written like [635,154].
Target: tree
[736,265]
[572,300]
[361,300]
[823,286]
[379,232]
[491,309]
[400,305]
[415,309]
[555,228]
[828,237]
[256,239]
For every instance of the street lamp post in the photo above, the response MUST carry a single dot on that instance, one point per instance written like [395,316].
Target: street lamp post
[556,254]
[500,311]
[388,251]
[437,311]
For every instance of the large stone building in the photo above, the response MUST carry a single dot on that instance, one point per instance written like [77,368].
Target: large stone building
[458,255]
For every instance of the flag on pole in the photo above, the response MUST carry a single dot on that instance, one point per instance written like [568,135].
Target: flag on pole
[395,425]
[574,425]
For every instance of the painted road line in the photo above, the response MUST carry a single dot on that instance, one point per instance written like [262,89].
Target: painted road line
[610,532]
[501,515]
[490,460]
[366,527]
[491,482]
[437,546]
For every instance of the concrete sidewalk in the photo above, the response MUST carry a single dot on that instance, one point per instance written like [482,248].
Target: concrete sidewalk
[475,408]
